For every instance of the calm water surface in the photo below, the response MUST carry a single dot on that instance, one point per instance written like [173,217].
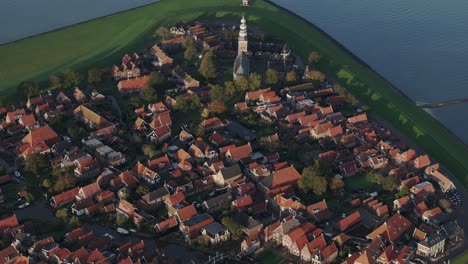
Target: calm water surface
[24,18]
[419,45]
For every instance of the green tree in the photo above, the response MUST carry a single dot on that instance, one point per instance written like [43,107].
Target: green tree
[255,81]
[94,76]
[150,151]
[148,95]
[242,84]
[271,77]
[121,220]
[46,183]
[217,93]
[163,32]
[71,77]
[403,192]
[76,133]
[389,183]
[190,52]
[208,68]
[55,82]
[141,190]
[64,179]
[217,107]
[233,226]
[61,214]
[27,88]
[36,164]
[444,203]
[313,180]
[75,221]
[230,88]
[314,57]
[336,183]
[187,103]
[291,76]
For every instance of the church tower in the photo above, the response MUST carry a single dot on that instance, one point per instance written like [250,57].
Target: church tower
[241,63]
[242,43]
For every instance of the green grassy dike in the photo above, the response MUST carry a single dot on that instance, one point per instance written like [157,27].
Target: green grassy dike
[102,42]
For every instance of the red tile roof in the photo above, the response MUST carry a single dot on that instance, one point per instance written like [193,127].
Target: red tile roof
[65,197]
[358,119]
[393,228]
[349,221]
[186,212]
[8,222]
[133,85]
[243,202]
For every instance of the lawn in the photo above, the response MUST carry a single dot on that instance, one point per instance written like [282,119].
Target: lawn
[268,257]
[461,259]
[102,42]
[359,181]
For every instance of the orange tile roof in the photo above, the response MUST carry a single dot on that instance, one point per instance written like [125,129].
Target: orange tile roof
[422,161]
[43,134]
[240,152]
[91,116]
[393,228]
[132,85]
[66,196]
[186,212]
[8,222]
[282,177]
[255,95]
[349,221]
[243,202]
[358,118]
[162,57]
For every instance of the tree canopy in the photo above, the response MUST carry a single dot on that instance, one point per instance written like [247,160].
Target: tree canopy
[190,52]
[313,179]
[55,82]
[36,164]
[336,183]
[233,226]
[27,88]
[187,103]
[208,68]
[94,75]
[291,76]
[314,57]
[255,81]
[163,32]
[271,77]
[71,77]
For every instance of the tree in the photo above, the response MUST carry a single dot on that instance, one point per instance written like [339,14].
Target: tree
[255,81]
[217,93]
[76,133]
[208,67]
[36,164]
[61,214]
[205,113]
[338,88]
[141,190]
[314,57]
[389,183]
[271,77]
[121,220]
[46,183]
[27,88]
[163,32]
[336,183]
[187,103]
[291,76]
[311,180]
[230,88]
[148,95]
[70,77]
[403,192]
[55,82]
[233,226]
[64,179]
[94,75]
[190,52]
[444,203]
[150,151]
[242,84]
[75,221]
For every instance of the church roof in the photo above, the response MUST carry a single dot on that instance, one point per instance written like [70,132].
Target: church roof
[241,65]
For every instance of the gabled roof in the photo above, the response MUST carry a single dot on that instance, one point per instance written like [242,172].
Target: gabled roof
[186,212]
[422,161]
[393,228]
[144,171]
[243,202]
[240,152]
[349,221]
[41,135]
[8,222]
[91,116]
[90,189]
[358,119]
[66,196]
[133,84]
[282,177]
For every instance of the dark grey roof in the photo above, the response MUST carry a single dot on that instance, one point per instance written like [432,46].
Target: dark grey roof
[214,228]
[246,220]
[231,172]
[156,194]
[240,131]
[242,65]
[197,219]
[432,239]
[440,219]
[222,199]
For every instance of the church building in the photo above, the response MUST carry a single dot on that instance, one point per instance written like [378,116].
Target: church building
[241,63]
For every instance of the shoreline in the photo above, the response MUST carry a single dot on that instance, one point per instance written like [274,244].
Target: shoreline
[363,63]
[76,24]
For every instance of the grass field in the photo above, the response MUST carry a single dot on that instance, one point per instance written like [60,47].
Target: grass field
[268,257]
[461,259]
[102,42]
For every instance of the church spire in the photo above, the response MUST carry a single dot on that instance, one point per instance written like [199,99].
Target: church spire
[242,43]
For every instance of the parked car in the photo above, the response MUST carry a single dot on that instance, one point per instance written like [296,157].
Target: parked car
[122,231]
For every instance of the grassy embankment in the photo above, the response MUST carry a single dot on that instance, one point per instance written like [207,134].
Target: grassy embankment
[102,42]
